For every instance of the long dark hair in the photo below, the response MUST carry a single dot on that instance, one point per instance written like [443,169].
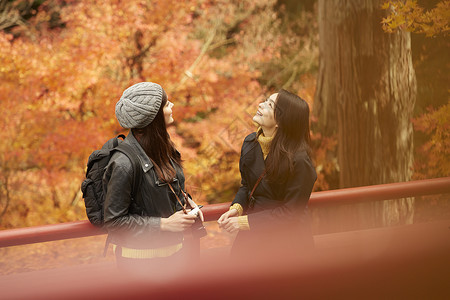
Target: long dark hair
[292,135]
[158,146]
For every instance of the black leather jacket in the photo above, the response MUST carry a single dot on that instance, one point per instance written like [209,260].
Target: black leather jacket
[135,223]
[276,207]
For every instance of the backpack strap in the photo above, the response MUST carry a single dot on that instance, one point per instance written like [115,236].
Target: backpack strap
[129,151]
[116,140]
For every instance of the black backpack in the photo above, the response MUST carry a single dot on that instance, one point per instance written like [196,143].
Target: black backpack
[92,188]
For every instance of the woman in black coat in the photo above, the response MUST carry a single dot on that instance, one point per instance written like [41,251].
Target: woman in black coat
[270,210]
[146,229]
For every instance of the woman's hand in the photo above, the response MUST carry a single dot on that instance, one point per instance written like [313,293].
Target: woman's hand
[193,205]
[177,222]
[231,224]
[231,213]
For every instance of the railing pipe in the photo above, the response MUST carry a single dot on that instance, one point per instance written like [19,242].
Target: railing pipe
[381,192]
[46,233]
[77,229]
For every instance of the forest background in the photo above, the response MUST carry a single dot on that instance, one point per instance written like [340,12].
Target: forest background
[64,65]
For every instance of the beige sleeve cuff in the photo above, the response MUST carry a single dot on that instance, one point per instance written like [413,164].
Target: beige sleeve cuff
[243,223]
[237,207]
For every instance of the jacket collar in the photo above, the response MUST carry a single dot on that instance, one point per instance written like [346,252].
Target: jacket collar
[145,161]
[250,143]
[252,155]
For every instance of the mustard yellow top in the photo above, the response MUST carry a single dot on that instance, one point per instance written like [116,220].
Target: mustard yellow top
[242,220]
[264,142]
[237,207]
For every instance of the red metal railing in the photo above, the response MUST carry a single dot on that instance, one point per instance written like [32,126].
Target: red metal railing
[211,212]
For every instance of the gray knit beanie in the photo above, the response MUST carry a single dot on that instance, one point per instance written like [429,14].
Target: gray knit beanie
[139,105]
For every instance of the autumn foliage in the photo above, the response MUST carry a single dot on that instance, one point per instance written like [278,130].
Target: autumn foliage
[410,16]
[64,67]
[60,80]
[433,157]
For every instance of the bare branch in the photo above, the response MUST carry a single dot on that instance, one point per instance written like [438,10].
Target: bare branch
[10,15]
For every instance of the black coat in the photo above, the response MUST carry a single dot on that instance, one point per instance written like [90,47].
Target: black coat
[135,223]
[280,210]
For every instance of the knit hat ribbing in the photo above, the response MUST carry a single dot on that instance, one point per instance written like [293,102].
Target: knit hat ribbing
[139,105]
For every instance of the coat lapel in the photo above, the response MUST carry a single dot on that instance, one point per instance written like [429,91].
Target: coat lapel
[253,161]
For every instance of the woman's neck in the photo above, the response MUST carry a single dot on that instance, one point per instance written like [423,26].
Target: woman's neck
[269,132]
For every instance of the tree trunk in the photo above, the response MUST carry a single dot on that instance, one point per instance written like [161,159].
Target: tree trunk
[367,90]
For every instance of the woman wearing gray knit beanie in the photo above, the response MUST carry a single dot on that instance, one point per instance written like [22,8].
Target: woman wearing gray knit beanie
[147,228]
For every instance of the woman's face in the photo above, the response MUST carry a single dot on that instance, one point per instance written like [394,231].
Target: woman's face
[265,116]
[168,112]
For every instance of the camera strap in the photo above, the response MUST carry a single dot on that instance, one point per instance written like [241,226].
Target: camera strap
[159,173]
[178,199]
